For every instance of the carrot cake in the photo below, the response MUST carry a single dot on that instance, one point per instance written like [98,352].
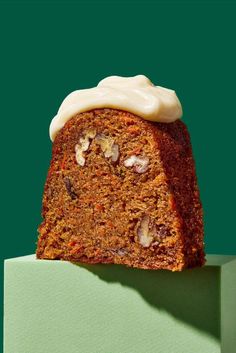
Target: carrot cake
[121,186]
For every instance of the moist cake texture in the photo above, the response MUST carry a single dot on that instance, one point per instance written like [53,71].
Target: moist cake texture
[121,189]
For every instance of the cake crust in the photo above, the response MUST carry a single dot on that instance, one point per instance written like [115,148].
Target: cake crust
[123,190]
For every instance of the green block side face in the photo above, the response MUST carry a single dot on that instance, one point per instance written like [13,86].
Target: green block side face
[228,308]
[60,307]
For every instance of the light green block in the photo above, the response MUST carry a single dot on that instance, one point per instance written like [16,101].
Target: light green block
[60,307]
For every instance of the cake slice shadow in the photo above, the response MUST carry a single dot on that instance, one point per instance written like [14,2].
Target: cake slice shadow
[191,296]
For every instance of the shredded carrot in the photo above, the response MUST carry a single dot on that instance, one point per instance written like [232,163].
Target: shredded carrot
[101,231]
[63,161]
[76,250]
[136,151]
[71,243]
[99,172]
[135,130]
[98,207]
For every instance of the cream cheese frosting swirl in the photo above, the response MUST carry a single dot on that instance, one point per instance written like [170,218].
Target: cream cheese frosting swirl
[135,94]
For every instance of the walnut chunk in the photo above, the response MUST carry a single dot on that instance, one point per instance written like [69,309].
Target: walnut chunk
[79,155]
[162,231]
[69,188]
[146,232]
[109,148]
[115,152]
[139,163]
[151,234]
[120,252]
[83,145]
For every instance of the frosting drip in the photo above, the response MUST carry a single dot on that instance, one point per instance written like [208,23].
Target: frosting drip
[135,94]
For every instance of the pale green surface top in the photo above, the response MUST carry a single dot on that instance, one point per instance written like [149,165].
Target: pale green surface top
[60,307]
[219,260]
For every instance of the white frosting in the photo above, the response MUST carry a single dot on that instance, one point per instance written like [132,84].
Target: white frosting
[133,94]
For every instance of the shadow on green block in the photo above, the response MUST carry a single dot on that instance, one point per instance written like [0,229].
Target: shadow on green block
[191,296]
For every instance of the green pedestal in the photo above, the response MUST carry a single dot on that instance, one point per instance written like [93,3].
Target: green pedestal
[60,307]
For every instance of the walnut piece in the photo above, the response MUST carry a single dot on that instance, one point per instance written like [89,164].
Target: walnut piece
[120,252]
[150,233]
[146,232]
[109,148]
[79,155]
[140,164]
[83,145]
[69,188]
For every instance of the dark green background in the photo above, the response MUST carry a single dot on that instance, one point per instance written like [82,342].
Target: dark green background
[48,50]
